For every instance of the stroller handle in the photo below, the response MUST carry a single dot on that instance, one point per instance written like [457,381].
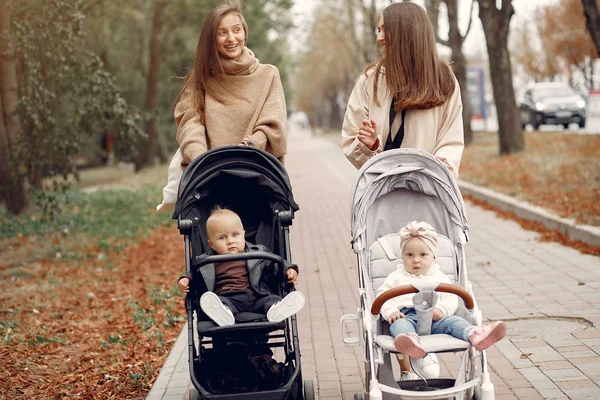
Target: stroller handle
[254,255]
[406,289]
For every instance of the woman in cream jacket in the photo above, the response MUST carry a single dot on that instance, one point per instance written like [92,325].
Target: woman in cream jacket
[427,109]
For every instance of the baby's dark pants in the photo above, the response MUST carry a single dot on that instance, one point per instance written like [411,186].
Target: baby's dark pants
[248,300]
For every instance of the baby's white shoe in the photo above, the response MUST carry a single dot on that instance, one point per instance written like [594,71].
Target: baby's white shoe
[427,367]
[212,306]
[288,306]
[409,376]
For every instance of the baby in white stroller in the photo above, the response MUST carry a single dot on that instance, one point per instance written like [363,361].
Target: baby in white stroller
[391,190]
[418,244]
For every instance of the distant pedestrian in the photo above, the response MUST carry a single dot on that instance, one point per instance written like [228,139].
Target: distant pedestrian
[409,98]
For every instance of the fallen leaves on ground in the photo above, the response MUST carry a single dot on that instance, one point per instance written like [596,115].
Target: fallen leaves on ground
[97,327]
[559,172]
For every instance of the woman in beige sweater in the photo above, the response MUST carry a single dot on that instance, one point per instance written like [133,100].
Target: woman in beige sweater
[228,98]
[409,95]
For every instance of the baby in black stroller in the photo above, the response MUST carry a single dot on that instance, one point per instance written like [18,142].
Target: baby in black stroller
[231,338]
[241,286]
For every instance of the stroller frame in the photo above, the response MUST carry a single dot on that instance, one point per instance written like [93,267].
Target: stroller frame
[395,173]
[256,163]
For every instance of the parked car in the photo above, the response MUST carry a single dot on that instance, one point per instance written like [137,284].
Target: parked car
[552,103]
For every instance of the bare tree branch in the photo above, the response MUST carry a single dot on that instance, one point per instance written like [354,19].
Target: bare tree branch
[507,11]
[433,11]
[470,20]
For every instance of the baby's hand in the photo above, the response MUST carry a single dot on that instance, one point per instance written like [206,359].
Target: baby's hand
[437,314]
[292,276]
[395,316]
[184,285]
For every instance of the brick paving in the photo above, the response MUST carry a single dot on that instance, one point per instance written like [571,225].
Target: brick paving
[547,293]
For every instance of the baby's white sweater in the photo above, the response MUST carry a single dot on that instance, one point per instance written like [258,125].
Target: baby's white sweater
[446,302]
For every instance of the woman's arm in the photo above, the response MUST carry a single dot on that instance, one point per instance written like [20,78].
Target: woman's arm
[270,131]
[357,111]
[450,140]
[191,133]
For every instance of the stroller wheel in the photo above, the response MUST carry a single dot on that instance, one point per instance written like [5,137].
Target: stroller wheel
[193,394]
[358,396]
[309,390]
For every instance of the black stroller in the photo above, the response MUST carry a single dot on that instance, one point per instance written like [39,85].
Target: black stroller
[255,185]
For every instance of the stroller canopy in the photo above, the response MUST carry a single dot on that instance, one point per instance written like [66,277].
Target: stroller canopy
[249,181]
[402,185]
[243,162]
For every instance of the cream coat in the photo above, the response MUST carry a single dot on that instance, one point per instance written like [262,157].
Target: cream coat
[438,130]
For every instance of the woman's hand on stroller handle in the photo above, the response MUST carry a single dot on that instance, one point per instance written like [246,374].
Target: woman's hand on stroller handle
[406,289]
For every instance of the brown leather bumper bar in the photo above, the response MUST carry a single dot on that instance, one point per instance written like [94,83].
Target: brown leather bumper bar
[406,289]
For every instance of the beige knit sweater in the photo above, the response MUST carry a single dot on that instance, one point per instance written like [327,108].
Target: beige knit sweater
[253,107]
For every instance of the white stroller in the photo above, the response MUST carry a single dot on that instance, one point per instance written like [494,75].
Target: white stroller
[392,189]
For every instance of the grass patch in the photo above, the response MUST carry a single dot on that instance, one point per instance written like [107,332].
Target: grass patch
[109,213]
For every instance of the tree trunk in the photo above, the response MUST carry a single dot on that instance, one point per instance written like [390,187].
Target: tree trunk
[592,21]
[370,21]
[12,190]
[334,119]
[459,61]
[433,10]
[163,157]
[495,26]
[148,152]
[351,7]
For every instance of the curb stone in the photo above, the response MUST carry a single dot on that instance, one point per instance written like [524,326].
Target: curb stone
[585,233]
[169,371]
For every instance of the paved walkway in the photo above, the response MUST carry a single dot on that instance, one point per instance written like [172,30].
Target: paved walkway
[548,294]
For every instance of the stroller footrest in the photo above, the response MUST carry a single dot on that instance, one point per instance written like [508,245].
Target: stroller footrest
[209,328]
[431,343]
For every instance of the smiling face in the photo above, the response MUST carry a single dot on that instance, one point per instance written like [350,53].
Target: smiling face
[231,37]
[417,257]
[381,34]
[225,233]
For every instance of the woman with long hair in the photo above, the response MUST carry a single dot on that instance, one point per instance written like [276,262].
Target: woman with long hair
[227,98]
[409,98]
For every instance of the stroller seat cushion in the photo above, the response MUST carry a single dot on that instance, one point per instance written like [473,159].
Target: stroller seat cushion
[385,254]
[431,343]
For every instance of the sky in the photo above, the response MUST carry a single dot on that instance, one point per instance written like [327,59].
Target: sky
[475,43]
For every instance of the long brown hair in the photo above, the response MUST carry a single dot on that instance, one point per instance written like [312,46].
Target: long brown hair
[414,72]
[207,61]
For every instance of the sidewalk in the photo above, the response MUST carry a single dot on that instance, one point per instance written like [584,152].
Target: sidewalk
[547,293]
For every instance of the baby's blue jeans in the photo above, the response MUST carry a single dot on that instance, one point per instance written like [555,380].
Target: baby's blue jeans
[452,325]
